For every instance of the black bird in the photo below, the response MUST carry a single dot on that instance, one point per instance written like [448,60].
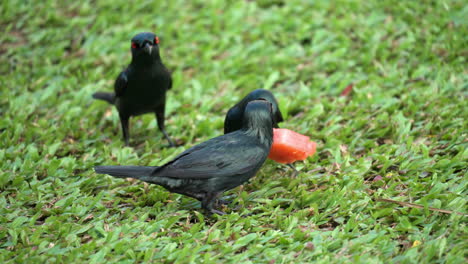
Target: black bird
[141,88]
[207,170]
[233,120]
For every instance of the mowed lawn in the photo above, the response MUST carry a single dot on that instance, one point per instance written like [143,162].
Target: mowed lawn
[388,182]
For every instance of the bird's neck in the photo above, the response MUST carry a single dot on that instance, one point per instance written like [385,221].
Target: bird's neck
[263,134]
[147,61]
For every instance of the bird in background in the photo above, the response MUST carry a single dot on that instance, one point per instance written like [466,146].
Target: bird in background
[234,116]
[141,88]
[206,170]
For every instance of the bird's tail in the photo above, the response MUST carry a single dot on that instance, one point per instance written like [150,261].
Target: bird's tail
[108,97]
[137,172]
[142,173]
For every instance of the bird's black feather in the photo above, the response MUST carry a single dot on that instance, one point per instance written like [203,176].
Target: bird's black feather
[125,171]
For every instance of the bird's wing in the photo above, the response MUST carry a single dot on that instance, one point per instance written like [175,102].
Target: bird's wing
[228,122]
[167,74]
[226,155]
[121,83]
[279,116]
[170,82]
[232,122]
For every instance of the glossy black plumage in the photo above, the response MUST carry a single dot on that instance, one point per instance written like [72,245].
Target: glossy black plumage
[141,88]
[233,120]
[214,166]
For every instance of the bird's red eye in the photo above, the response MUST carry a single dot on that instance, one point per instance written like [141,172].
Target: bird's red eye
[156,40]
[134,45]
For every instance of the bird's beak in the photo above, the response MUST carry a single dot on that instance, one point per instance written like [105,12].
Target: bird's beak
[148,48]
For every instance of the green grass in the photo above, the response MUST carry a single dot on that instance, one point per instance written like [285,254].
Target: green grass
[405,121]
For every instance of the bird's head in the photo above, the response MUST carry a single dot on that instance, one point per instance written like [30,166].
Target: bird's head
[145,47]
[262,94]
[258,120]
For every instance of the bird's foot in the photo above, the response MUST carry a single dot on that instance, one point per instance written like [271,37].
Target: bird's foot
[220,202]
[208,201]
[211,212]
[218,212]
[171,143]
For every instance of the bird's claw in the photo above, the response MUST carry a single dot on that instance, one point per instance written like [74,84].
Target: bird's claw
[218,212]
[223,202]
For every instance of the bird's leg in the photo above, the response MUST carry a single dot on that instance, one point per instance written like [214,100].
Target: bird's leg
[160,118]
[207,204]
[125,130]
[290,165]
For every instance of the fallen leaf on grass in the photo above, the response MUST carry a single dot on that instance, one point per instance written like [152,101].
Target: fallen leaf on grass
[416,243]
[377,178]
[347,90]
